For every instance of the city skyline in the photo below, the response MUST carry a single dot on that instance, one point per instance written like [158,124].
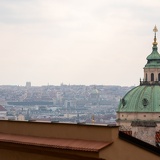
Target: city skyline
[76,42]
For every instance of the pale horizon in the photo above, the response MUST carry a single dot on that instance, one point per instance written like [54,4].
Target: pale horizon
[85,42]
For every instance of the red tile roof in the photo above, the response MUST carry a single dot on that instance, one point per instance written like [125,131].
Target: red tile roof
[128,132]
[158,137]
[71,144]
[2,108]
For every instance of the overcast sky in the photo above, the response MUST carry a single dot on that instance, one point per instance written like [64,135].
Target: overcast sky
[103,42]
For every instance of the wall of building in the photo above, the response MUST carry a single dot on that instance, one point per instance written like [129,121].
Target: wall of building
[139,116]
[119,149]
[148,71]
[125,119]
[147,134]
[59,130]
[122,150]
[17,155]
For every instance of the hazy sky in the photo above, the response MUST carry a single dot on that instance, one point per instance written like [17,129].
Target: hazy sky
[76,41]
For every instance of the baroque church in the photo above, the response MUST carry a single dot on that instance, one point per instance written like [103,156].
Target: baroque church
[139,110]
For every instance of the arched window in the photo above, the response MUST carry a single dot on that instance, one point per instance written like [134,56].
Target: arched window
[152,77]
[146,77]
[158,76]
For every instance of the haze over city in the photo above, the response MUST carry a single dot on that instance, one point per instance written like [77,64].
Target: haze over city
[76,42]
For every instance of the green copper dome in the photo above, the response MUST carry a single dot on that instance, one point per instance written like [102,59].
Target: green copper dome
[141,99]
[153,60]
[154,55]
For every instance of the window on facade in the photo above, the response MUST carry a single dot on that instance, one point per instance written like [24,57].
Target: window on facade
[159,77]
[146,77]
[152,77]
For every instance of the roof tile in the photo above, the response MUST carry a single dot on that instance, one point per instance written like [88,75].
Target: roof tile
[71,144]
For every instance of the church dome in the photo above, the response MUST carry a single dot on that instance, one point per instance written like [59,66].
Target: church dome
[145,98]
[154,55]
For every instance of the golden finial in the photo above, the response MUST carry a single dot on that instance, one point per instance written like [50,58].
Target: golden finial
[155,39]
[155,29]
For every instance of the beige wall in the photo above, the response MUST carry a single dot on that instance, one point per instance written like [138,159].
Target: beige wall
[122,150]
[59,130]
[125,119]
[16,155]
[156,71]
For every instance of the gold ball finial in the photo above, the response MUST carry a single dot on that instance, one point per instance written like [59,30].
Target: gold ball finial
[155,39]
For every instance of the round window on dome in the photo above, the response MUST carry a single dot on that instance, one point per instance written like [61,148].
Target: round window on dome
[123,102]
[145,102]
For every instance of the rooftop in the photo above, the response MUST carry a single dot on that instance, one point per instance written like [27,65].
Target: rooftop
[2,108]
[69,144]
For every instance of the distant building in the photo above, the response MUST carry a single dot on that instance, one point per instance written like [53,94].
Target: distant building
[3,113]
[94,96]
[20,117]
[28,84]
